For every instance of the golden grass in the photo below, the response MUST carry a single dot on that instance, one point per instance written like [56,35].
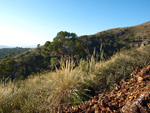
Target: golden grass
[65,84]
[43,93]
[50,90]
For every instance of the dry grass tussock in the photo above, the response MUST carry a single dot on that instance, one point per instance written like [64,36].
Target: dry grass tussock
[68,85]
[44,92]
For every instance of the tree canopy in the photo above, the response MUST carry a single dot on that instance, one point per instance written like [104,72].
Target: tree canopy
[62,35]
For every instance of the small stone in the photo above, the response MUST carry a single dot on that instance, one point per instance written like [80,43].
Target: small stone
[113,104]
[140,79]
[97,111]
[95,98]
[148,104]
[95,106]
[116,88]
[142,110]
[124,90]
[83,107]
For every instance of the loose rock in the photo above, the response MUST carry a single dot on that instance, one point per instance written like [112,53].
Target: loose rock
[131,95]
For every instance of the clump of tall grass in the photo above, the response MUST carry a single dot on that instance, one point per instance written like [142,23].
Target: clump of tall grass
[45,92]
[22,96]
[66,84]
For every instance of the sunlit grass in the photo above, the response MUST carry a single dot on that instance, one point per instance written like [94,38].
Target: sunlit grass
[45,92]
[69,84]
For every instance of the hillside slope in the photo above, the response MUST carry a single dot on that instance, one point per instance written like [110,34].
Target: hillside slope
[114,40]
[11,52]
[130,95]
[69,85]
[105,43]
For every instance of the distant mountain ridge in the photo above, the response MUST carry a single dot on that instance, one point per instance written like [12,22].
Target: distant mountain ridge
[5,46]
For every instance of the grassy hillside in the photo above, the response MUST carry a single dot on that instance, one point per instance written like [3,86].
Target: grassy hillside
[69,85]
[114,40]
[46,58]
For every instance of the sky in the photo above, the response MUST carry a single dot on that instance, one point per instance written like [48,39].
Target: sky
[26,23]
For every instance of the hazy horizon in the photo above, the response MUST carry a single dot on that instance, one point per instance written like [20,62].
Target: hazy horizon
[6,46]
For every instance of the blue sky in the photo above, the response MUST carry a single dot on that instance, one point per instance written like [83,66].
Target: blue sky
[30,22]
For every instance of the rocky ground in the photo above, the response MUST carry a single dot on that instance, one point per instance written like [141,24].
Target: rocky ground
[130,95]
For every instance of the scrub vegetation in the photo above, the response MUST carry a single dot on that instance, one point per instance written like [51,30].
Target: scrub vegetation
[71,69]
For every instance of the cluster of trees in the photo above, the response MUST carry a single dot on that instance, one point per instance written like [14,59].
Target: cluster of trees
[22,66]
[63,46]
[7,68]
[109,42]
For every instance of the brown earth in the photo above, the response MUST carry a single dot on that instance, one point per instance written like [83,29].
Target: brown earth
[130,95]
